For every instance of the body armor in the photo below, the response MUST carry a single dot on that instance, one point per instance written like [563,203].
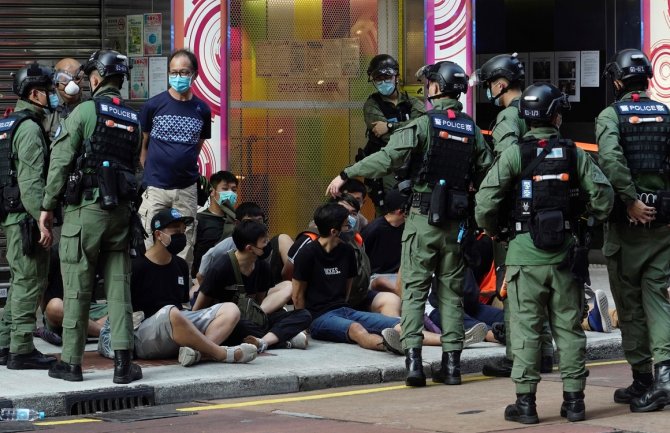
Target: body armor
[11,196]
[644,128]
[392,113]
[550,190]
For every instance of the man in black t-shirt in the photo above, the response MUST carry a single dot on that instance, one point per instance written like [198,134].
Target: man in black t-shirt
[159,286]
[322,278]
[240,276]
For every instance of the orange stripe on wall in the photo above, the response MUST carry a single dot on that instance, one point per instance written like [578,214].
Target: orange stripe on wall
[178,24]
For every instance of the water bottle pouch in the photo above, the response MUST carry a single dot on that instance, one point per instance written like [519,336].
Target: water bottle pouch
[458,205]
[547,230]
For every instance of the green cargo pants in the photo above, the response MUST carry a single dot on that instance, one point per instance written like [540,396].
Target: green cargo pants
[90,234]
[29,279]
[638,263]
[426,250]
[532,290]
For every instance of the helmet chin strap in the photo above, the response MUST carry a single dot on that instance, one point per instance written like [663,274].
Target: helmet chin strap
[30,101]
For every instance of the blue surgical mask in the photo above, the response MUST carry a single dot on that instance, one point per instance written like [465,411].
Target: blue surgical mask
[385,88]
[180,84]
[53,101]
[494,101]
[228,196]
[352,222]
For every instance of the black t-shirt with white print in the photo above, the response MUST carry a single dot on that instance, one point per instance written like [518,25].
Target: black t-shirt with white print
[153,286]
[326,275]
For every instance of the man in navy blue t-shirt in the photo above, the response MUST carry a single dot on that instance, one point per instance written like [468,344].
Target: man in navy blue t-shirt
[175,125]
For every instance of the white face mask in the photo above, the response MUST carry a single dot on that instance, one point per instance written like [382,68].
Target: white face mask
[72,89]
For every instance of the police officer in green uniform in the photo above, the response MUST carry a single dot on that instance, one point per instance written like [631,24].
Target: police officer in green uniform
[92,159]
[24,155]
[541,179]
[385,111]
[633,137]
[447,154]
[503,77]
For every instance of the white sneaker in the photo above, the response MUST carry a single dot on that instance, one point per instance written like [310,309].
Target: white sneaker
[188,356]
[300,341]
[475,335]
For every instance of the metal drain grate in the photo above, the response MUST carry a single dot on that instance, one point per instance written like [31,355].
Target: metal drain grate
[85,403]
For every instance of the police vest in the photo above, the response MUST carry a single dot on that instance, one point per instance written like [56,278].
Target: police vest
[644,128]
[552,185]
[114,141]
[450,151]
[11,202]
[392,113]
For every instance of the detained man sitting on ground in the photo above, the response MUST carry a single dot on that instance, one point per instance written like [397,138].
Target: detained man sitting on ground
[159,286]
[241,277]
[322,278]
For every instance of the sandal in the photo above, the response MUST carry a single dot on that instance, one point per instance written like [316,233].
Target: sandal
[249,352]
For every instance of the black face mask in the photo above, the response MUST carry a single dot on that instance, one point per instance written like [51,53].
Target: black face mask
[347,236]
[267,251]
[177,243]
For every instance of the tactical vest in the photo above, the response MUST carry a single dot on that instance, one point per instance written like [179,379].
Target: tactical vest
[10,195]
[114,140]
[553,185]
[644,128]
[450,151]
[392,113]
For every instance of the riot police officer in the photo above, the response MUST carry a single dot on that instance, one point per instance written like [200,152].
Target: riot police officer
[447,155]
[92,159]
[24,155]
[541,178]
[385,111]
[634,151]
[503,77]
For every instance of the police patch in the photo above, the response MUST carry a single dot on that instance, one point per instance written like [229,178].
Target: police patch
[460,125]
[556,153]
[643,107]
[527,188]
[6,125]
[118,112]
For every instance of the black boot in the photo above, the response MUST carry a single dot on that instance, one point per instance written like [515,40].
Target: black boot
[573,407]
[34,360]
[4,354]
[414,366]
[502,369]
[124,370]
[65,371]
[641,383]
[523,411]
[450,370]
[658,395]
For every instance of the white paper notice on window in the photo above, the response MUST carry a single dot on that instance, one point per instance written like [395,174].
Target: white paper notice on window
[590,68]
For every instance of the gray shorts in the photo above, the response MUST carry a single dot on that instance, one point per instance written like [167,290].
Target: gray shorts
[153,339]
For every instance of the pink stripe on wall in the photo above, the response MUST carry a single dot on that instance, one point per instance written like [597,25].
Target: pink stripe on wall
[224,50]
[430,31]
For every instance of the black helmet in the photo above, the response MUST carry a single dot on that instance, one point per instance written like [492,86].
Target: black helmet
[629,63]
[501,66]
[383,64]
[541,101]
[451,77]
[107,63]
[33,75]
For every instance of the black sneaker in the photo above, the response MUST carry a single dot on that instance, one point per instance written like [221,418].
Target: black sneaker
[48,336]
[65,371]
[34,360]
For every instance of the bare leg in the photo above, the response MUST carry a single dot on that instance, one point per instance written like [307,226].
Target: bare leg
[364,339]
[54,312]
[387,304]
[277,297]
[94,326]
[382,284]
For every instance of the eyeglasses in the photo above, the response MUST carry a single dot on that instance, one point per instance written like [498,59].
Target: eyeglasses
[184,73]
[384,80]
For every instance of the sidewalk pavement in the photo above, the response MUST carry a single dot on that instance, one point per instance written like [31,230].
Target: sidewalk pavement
[322,365]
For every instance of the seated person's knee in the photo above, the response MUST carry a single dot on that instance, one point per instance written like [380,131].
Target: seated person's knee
[229,310]
[356,330]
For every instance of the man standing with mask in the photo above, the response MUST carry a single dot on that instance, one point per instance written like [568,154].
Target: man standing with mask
[93,161]
[385,111]
[67,80]
[23,162]
[176,123]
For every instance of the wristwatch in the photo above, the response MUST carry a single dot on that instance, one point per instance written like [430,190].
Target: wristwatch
[389,125]
[343,175]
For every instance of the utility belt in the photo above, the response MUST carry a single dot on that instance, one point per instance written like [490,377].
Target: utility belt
[10,198]
[660,200]
[114,185]
[421,201]
[548,229]
[442,205]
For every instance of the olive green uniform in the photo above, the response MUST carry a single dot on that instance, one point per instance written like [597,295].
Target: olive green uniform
[638,256]
[535,280]
[372,112]
[89,234]
[427,249]
[28,273]
[507,131]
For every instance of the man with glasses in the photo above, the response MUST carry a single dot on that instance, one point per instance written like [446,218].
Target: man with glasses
[385,111]
[67,81]
[23,167]
[175,125]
